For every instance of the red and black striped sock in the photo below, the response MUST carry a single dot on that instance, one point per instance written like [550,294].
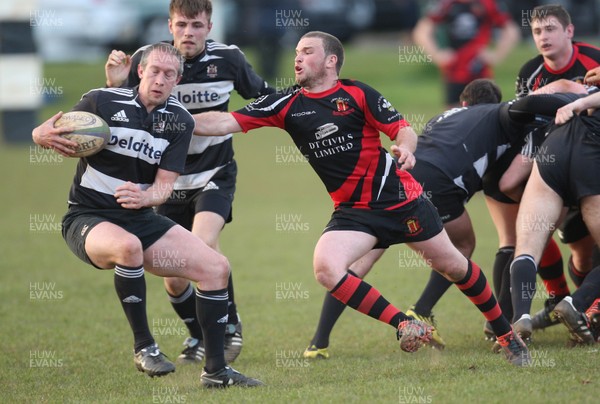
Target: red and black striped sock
[476,287]
[552,273]
[356,293]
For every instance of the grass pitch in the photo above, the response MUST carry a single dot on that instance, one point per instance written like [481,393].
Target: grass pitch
[65,338]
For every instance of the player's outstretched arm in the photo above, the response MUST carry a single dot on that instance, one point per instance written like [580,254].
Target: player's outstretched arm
[215,123]
[48,137]
[117,68]
[564,114]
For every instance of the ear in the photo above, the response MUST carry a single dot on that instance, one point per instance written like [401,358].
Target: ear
[332,61]
[570,29]
[170,26]
[140,70]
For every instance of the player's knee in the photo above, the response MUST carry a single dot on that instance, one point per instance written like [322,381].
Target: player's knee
[451,269]
[210,276]
[129,251]
[325,276]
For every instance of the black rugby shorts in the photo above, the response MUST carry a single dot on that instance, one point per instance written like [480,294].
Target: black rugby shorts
[145,224]
[418,220]
[216,197]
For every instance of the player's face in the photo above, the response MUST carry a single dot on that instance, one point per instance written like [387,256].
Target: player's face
[551,38]
[310,63]
[158,78]
[189,34]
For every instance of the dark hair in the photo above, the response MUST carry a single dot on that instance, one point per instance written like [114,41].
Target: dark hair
[331,45]
[481,91]
[551,10]
[190,8]
[166,48]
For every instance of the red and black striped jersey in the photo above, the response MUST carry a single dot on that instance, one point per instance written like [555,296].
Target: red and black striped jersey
[338,133]
[536,73]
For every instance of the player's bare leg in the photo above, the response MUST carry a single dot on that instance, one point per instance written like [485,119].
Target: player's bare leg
[538,216]
[334,253]
[332,308]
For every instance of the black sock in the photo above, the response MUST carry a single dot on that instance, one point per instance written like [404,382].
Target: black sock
[185,307]
[433,292]
[231,309]
[130,285]
[330,312]
[522,281]
[576,276]
[505,255]
[585,295]
[211,308]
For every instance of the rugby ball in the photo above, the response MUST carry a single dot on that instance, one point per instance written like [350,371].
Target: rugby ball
[90,132]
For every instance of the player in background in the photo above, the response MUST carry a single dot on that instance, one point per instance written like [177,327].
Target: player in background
[559,58]
[467,27]
[377,202]
[110,223]
[203,194]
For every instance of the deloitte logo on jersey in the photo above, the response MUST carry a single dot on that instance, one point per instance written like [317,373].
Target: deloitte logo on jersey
[197,97]
[137,146]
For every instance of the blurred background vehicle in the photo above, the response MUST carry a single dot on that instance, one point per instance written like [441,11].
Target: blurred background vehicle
[86,29]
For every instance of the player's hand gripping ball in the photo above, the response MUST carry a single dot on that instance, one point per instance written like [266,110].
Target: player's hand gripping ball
[90,132]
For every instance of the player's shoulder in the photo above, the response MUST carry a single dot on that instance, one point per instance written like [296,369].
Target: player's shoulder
[354,86]
[349,83]
[587,49]
[173,105]
[110,93]
[532,64]
[219,48]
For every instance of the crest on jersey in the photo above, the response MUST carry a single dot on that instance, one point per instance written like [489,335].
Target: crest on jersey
[158,126]
[211,71]
[341,104]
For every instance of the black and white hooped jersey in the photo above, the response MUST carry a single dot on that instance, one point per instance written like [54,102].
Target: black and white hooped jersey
[139,145]
[208,79]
